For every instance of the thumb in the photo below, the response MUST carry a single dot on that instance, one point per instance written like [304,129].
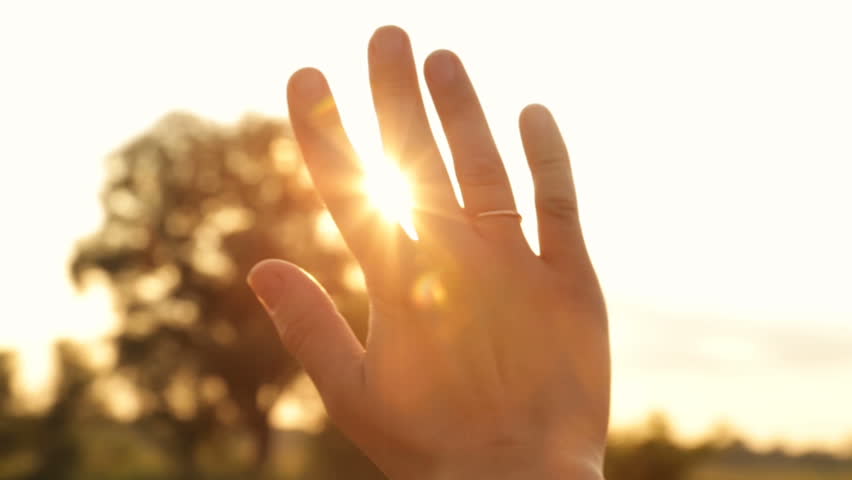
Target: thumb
[311,328]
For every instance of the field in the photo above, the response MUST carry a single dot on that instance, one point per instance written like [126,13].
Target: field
[721,472]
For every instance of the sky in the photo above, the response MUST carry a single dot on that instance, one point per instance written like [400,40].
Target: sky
[710,143]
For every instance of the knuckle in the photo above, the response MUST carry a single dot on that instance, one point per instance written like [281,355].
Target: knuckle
[558,205]
[481,171]
[297,332]
[548,165]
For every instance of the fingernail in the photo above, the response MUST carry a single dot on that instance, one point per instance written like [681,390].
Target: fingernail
[442,68]
[309,82]
[389,40]
[540,117]
[267,287]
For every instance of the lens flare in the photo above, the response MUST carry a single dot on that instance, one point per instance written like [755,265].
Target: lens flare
[429,291]
[390,192]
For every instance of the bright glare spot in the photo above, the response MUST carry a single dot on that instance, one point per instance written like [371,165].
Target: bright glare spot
[390,191]
[428,291]
[329,235]
[291,413]
[120,397]
[300,408]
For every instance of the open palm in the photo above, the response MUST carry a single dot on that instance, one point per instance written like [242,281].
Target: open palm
[483,359]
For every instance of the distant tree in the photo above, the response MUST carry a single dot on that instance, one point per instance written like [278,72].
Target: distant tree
[17,427]
[653,455]
[722,435]
[57,445]
[8,417]
[190,206]
[6,371]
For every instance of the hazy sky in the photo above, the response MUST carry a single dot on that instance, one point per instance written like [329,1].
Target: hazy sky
[710,143]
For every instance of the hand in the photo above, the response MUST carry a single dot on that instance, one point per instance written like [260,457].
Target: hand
[483,359]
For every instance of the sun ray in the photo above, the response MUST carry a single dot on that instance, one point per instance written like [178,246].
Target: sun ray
[389,190]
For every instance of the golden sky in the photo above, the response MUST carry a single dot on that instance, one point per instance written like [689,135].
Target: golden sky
[710,143]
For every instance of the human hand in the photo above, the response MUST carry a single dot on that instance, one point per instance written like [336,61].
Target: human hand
[483,359]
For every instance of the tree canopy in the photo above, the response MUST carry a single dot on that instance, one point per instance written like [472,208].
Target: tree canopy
[189,207]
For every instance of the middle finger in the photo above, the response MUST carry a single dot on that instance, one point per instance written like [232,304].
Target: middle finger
[405,130]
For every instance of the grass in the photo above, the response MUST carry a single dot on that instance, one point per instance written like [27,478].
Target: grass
[722,472]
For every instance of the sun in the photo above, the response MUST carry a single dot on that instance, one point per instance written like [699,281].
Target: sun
[390,192]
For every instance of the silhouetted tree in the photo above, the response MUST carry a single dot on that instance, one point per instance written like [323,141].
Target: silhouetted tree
[58,446]
[18,428]
[189,207]
[8,418]
[6,370]
[652,456]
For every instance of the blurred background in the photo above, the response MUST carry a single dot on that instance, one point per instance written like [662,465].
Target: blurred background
[149,164]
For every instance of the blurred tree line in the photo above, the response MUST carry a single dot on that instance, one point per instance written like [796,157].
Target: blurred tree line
[189,207]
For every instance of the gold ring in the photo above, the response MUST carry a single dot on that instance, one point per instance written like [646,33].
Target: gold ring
[494,213]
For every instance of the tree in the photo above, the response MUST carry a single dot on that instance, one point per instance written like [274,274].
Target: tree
[189,207]
[9,421]
[59,448]
[6,393]
[652,456]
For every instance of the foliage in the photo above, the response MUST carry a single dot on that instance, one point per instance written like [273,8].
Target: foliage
[47,445]
[653,455]
[10,421]
[59,450]
[189,207]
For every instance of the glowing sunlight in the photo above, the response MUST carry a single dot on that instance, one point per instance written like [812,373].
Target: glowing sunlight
[390,191]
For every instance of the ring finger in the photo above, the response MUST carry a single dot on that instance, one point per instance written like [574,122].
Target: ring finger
[482,178]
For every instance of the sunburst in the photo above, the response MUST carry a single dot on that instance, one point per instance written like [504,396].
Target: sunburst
[389,191]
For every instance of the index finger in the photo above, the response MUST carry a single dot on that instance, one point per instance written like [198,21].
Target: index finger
[380,246]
